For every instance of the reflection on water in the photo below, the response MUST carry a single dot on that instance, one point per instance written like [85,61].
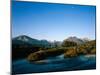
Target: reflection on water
[57,63]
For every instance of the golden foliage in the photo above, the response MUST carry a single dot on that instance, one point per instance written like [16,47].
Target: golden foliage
[71,52]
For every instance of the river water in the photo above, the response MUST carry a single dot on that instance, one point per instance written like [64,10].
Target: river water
[54,64]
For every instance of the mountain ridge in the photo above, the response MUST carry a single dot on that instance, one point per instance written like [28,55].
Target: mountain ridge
[29,40]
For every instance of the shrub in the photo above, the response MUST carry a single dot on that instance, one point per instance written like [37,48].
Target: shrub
[71,52]
[87,48]
[68,43]
[93,51]
[36,56]
[81,50]
[43,54]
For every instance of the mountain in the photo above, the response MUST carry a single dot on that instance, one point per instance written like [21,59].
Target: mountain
[86,39]
[26,40]
[23,39]
[77,40]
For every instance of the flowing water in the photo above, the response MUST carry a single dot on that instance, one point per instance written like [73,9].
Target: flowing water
[52,64]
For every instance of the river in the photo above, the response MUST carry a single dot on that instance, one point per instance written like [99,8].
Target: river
[54,64]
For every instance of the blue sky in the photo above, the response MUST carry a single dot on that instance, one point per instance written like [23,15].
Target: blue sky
[52,21]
